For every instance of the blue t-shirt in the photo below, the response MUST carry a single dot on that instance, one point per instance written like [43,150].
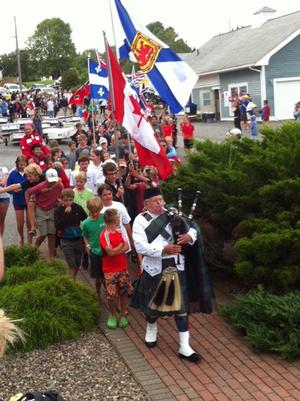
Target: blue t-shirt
[15,177]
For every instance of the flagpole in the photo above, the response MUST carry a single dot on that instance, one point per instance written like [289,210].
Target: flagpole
[113,103]
[113,29]
[93,117]
[92,101]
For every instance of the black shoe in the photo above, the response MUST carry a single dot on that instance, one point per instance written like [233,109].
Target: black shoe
[151,344]
[194,357]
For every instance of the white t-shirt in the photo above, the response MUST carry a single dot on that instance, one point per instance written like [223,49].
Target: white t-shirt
[90,180]
[124,218]
[3,173]
[50,105]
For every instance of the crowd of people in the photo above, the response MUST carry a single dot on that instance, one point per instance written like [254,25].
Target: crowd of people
[85,200]
[246,112]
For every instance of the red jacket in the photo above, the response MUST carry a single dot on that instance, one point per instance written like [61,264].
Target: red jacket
[28,140]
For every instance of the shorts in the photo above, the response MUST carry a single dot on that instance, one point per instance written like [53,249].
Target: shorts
[244,117]
[96,266]
[188,143]
[73,251]
[4,201]
[45,221]
[117,283]
[20,207]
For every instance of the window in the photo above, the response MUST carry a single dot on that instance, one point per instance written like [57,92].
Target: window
[206,98]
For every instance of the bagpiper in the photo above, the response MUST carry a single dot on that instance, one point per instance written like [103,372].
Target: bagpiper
[174,279]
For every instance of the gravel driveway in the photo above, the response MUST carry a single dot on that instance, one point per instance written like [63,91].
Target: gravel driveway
[88,369]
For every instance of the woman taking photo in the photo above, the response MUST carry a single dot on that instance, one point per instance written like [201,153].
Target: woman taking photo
[16,176]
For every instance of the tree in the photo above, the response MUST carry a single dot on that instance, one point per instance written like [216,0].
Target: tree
[9,63]
[51,48]
[169,36]
[70,78]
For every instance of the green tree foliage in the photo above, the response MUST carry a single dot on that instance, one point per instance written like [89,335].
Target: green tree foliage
[9,63]
[269,322]
[169,36]
[70,78]
[250,198]
[51,47]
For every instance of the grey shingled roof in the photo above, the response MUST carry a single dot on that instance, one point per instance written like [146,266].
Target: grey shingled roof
[244,46]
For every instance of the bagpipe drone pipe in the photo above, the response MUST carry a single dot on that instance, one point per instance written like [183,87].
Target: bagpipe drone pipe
[198,284]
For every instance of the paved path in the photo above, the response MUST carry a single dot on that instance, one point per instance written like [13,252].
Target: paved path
[229,371]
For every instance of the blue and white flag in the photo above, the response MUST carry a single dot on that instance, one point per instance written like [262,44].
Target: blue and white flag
[98,77]
[172,78]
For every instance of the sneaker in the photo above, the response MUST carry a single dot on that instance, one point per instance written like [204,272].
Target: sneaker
[123,322]
[112,322]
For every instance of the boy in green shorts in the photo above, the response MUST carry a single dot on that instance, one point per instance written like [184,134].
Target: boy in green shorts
[91,229]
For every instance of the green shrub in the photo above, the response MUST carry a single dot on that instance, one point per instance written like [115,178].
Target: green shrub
[24,256]
[38,270]
[52,309]
[270,323]
[251,196]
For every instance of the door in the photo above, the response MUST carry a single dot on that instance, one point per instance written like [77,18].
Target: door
[286,94]
[217,103]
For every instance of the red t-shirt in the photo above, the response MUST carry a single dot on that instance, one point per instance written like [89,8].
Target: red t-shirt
[112,264]
[46,200]
[187,131]
[167,130]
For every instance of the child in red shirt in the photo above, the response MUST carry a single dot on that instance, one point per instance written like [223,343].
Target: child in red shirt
[114,265]
[187,130]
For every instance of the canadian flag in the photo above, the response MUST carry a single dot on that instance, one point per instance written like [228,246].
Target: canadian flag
[128,112]
[80,94]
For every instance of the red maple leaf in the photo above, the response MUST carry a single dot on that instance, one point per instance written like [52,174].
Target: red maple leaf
[136,109]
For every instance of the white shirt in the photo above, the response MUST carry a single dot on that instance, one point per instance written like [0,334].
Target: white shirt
[124,218]
[90,179]
[152,260]
[98,175]
[3,173]
[50,105]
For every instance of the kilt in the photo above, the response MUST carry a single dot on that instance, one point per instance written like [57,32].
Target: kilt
[145,288]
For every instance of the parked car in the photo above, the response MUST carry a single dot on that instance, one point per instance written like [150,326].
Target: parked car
[14,88]
[35,87]
[4,92]
[48,90]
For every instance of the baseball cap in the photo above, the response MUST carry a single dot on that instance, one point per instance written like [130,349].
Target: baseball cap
[103,140]
[51,175]
[122,163]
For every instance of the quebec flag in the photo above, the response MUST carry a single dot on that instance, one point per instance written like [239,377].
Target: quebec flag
[98,77]
[172,78]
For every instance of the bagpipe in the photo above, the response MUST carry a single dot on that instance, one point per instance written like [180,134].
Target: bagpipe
[168,294]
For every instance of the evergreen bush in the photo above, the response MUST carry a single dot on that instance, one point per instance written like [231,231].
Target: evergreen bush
[250,200]
[20,256]
[52,309]
[270,323]
[51,306]
[38,270]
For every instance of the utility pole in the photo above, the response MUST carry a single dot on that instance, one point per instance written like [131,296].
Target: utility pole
[18,57]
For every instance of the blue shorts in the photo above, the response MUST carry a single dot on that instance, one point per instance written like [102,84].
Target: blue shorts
[4,201]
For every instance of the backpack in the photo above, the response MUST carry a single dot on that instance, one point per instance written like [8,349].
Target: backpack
[38,396]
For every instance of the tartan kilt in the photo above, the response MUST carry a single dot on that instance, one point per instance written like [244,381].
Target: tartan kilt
[145,288]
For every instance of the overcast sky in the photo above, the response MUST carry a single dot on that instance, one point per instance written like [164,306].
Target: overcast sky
[195,21]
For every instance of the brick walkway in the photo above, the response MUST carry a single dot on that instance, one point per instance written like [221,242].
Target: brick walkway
[229,371]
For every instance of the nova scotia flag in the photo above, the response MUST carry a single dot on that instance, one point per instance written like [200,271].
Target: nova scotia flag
[172,78]
[98,78]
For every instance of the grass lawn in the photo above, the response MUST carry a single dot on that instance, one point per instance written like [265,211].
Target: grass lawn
[30,83]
